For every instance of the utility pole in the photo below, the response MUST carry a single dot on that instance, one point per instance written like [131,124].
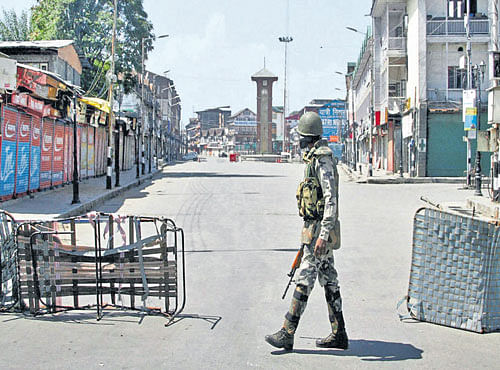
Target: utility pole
[493,15]
[111,122]
[479,75]
[469,86]
[141,139]
[286,40]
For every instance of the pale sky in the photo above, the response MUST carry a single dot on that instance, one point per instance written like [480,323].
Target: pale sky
[216,45]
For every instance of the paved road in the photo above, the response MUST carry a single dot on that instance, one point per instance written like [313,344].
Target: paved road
[242,232]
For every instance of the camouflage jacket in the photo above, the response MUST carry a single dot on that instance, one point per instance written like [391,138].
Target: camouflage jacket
[324,168]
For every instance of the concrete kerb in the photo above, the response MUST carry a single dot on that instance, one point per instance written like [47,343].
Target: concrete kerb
[396,179]
[79,209]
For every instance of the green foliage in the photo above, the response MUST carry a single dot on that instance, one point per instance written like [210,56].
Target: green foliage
[90,24]
[14,27]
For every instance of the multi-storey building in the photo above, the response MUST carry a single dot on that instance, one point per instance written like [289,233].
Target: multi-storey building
[244,126]
[408,85]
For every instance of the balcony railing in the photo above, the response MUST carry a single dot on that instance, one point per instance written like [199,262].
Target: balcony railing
[456,27]
[397,43]
[397,89]
[450,95]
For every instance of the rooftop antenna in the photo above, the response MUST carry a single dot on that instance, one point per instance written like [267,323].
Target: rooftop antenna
[264,62]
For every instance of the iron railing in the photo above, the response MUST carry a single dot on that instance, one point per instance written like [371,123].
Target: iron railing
[453,27]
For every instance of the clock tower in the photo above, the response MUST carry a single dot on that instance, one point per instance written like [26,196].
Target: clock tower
[264,80]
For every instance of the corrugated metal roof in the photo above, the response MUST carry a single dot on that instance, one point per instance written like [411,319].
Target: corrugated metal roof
[56,44]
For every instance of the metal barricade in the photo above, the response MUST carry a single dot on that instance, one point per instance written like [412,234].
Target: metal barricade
[99,261]
[455,271]
[9,279]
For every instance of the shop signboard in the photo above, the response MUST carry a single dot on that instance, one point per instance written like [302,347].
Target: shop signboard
[333,116]
[36,134]
[9,151]
[47,145]
[58,156]
[29,78]
[23,153]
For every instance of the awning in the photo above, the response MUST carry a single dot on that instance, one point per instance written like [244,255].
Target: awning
[100,104]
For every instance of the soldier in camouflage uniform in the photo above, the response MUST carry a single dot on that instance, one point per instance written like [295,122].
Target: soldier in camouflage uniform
[317,198]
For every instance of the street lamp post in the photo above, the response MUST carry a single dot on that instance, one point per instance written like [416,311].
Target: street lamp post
[353,146]
[401,138]
[112,77]
[479,76]
[76,186]
[286,40]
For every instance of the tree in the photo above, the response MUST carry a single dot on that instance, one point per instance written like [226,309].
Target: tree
[14,27]
[90,24]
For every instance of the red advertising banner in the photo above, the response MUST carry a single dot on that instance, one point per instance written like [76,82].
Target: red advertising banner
[46,153]
[20,99]
[58,156]
[29,78]
[23,153]
[36,134]
[9,152]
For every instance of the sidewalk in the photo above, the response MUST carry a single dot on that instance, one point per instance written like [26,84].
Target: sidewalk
[383,177]
[57,202]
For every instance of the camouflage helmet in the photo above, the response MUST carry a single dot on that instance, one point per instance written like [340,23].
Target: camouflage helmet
[310,125]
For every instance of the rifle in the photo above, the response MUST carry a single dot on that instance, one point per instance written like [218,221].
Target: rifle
[295,266]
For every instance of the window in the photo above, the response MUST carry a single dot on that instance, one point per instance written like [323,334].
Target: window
[457,78]
[457,8]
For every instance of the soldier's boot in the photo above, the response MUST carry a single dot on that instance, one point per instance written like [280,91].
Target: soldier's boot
[338,337]
[284,337]
[280,339]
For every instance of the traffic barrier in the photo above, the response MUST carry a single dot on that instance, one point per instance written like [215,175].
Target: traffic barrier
[95,261]
[455,271]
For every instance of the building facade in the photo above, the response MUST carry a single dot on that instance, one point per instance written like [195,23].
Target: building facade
[405,93]
[244,126]
[57,56]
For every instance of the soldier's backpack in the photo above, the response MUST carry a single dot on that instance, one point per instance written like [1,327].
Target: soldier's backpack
[310,197]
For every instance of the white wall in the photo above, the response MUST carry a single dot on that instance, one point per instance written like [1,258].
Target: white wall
[438,8]
[417,49]
[438,61]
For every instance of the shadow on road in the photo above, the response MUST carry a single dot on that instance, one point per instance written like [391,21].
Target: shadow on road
[214,174]
[110,317]
[213,320]
[242,250]
[367,350]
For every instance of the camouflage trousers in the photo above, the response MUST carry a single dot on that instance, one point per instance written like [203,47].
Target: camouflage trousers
[311,268]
